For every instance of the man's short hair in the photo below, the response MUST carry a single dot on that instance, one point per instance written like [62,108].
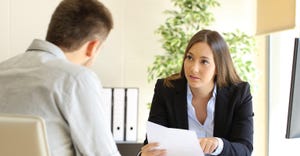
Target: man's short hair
[75,22]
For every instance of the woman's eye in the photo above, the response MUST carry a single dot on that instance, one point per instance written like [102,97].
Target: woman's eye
[204,62]
[189,57]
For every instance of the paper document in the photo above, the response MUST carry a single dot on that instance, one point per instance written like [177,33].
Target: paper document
[177,142]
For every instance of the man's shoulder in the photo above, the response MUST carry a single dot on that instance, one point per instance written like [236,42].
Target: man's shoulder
[71,70]
[47,66]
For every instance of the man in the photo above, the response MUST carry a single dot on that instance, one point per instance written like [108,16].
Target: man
[51,80]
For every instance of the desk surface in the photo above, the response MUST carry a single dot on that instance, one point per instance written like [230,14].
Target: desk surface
[128,148]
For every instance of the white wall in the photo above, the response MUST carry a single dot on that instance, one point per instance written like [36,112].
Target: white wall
[236,14]
[4,29]
[22,21]
[130,49]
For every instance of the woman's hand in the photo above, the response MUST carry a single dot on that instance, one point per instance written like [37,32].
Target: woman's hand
[149,150]
[209,145]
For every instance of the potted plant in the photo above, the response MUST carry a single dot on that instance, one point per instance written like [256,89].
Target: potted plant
[187,18]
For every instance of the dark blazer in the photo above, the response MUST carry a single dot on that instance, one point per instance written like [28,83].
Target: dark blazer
[233,121]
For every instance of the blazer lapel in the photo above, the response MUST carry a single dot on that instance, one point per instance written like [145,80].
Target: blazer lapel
[222,109]
[180,104]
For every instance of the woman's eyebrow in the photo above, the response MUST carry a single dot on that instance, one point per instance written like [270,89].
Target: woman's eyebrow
[190,53]
[202,57]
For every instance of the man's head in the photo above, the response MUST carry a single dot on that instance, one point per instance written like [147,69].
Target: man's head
[75,22]
[79,25]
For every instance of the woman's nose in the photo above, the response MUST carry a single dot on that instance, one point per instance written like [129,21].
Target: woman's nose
[195,67]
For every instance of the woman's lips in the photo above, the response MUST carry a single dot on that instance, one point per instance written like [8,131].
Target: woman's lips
[194,77]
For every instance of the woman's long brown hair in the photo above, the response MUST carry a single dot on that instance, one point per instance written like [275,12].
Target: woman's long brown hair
[226,73]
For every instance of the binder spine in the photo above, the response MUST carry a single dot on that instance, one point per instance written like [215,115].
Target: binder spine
[123,113]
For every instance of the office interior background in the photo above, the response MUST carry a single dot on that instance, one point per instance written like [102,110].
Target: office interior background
[132,45]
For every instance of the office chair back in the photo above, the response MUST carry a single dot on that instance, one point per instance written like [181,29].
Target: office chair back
[23,135]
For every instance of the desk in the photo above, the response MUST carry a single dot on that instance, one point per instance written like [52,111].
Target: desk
[129,148]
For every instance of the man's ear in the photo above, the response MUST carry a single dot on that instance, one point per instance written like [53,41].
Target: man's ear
[92,47]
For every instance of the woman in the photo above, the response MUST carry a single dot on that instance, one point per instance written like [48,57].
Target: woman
[208,97]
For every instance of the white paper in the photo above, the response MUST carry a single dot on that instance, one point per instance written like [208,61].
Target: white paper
[177,142]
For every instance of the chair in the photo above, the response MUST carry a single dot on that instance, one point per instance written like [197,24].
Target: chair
[23,135]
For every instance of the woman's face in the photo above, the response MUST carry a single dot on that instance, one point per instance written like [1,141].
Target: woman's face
[199,66]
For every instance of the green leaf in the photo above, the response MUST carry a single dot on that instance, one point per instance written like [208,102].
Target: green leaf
[188,17]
